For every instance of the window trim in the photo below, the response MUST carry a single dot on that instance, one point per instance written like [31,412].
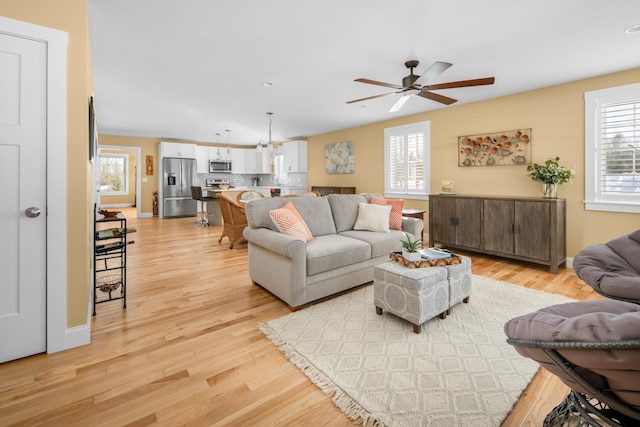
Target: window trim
[593,102]
[126,173]
[416,194]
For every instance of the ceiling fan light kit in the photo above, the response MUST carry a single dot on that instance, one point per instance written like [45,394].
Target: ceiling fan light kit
[414,84]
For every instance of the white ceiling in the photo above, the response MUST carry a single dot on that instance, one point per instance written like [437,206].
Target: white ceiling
[191,69]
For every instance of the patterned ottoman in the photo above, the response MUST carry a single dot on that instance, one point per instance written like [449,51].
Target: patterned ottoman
[413,294]
[459,277]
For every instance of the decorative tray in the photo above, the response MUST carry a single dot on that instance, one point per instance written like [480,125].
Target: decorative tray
[453,259]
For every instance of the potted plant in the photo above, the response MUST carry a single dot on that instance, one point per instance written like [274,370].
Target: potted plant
[550,174]
[410,248]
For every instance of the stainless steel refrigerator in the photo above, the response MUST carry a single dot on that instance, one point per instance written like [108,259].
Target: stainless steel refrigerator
[179,175]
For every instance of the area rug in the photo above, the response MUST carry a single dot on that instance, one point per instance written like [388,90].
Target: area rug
[458,372]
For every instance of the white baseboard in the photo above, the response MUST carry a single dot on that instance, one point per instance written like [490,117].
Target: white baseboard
[569,262]
[146,214]
[78,336]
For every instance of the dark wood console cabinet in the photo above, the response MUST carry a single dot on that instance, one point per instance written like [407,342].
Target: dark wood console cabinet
[526,229]
[333,190]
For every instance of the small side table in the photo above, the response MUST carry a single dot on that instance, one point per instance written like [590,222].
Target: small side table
[415,213]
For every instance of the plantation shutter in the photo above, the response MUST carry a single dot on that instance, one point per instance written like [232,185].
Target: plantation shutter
[619,153]
[396,162]
[415,160]
[406,152]
[612,149]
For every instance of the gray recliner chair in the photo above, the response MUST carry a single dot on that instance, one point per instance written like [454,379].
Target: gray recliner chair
[612,269]
[594,348]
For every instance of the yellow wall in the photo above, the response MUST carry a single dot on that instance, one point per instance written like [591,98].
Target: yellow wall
[71,16]
[149,147]
[130,197]
[556,115]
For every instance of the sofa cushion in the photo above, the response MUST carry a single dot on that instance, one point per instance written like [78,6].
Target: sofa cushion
[315,211]
[395,219]
[344,208]
[289,222]
[329,252]
[381,243]
[373,218]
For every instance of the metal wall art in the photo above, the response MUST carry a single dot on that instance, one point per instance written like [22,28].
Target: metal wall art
[495,149]
[339,157]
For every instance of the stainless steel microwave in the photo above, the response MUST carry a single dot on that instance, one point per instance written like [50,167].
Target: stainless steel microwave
[220,166]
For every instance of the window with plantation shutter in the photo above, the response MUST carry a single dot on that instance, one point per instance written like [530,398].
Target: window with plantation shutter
[406,150]
[612,149]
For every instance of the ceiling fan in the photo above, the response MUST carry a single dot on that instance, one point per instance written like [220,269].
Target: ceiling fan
[417,85]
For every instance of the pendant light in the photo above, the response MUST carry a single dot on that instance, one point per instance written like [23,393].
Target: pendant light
[270,144]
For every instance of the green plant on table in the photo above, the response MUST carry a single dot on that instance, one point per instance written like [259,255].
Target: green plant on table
[551,172]
[410,245]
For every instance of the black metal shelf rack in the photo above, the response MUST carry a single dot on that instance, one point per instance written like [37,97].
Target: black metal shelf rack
[110,259]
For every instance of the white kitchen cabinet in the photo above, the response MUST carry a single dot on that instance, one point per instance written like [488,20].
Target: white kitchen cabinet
[220,153]
[263,161]
[258,162]
[238,161]
[250,161]
[177,149]
[295,156]
[202,159]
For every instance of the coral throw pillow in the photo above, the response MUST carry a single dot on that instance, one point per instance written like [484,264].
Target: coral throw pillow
[395,219]
[288,221]
[372,217]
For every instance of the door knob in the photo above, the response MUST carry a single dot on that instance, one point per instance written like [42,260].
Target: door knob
[32,212]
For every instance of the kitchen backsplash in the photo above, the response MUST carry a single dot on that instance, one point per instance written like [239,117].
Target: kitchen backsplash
[265,180]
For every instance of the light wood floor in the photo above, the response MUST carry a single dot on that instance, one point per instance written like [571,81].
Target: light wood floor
[186,351]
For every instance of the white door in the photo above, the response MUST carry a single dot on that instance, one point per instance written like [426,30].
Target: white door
[22,197]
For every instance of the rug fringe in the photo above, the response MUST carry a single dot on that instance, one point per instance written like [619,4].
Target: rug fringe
[342,400]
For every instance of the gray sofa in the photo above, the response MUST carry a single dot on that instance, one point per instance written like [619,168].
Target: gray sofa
[336,259]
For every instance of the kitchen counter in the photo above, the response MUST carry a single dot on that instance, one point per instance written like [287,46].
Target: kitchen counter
[262,189]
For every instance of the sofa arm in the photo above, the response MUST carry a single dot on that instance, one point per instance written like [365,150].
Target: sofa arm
[278,263]
[274,241]
[413,226]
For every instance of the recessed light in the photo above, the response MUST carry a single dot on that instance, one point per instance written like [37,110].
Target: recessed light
[633,29]
[268,84]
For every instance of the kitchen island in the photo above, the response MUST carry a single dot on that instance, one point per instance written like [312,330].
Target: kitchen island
[213,207]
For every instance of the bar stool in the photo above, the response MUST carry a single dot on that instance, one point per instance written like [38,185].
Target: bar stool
[196,194]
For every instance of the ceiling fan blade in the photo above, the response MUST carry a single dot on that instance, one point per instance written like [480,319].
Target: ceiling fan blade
[374,82]
[371,97]
[433,71]
[399,103]
[438,98]
[462,83]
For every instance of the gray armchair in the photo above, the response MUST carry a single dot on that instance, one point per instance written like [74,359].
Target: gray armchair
[594,348]
[612,269]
